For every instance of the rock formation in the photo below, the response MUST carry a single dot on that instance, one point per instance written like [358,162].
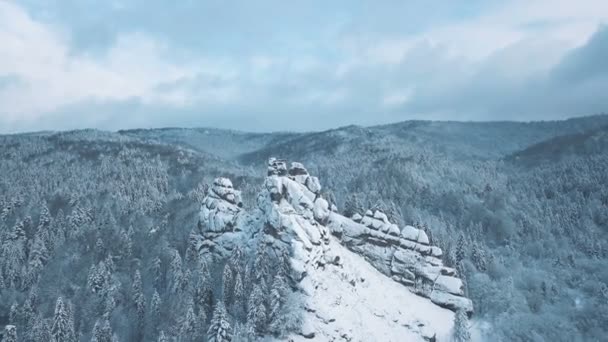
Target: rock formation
[403,254]
[343,268]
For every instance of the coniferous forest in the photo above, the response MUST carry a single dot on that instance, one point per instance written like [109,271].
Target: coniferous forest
[98,229]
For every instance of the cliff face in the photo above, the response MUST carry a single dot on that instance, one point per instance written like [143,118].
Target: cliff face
[360,281]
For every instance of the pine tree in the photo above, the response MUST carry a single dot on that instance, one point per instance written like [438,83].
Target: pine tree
[71,326]
[155,310]
[10,334]
[41,331]
[461,331]
[240,298]
[256,316]
[39,254]
[203,295]
[156,270]
[102,332]
[14,315]
[28,314]
[139,302]
[261,265]
[219,329]
[227,284]
[478,257]
[177,274]
[353,206]
[278,295]
[189,326]
[60,330]
[394,214]
[461,249]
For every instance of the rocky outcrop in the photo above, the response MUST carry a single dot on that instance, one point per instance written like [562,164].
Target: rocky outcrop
[220,207]
[343,268]
[219,227]
[345,297]
[403,254]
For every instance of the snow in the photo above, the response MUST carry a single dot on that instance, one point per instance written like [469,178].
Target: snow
[357,301]
[449,284]
[363,294]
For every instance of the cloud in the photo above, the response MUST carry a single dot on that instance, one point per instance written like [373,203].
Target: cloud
[48,76]
[303,66]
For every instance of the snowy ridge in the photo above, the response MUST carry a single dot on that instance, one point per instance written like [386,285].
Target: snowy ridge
[346,297]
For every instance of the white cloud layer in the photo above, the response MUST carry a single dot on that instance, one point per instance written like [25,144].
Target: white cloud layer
[485,66]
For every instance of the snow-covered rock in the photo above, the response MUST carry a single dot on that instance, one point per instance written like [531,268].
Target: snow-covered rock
[362,281]
[220,220]
[346,297]
[406,257]
[220,207]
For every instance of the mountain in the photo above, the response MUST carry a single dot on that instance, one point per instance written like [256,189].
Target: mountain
[124,233]
[591,142]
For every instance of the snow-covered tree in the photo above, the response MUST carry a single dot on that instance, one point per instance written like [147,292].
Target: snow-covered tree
[41,330]
[203,294]
[102,331]
[461,332]
[10,334]
[190,326]
[155,310]
[478,257]
[278,295]
[177,274]
[219,328]
[139,302]
[227,284]
[461,248]
[256,315]
[240,298]
[61,329]
[261,265]
[353,205]
[14,315]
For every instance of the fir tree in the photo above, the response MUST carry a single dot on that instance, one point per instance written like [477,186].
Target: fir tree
[219,328]
[155,310]
[14,315]
[189,326]
[61,329]
[461,249]
[353,206]
[203,295]
[41,331]
[102,332]
[278,294]
[461,331]
[177,275]
[256,316]
[240,298]
[138,302]
[227,284]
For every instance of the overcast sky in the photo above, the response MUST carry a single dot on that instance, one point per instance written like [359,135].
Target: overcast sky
[297,65]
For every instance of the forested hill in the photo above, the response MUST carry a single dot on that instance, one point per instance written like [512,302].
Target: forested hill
[520,208]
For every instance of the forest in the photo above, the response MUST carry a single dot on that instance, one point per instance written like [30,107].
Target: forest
[96,227]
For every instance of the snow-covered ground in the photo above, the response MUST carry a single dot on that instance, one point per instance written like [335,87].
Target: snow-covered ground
[355,302]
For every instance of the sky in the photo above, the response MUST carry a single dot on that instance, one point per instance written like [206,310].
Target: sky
[297,65]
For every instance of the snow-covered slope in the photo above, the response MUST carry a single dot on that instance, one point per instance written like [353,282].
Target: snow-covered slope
[345,298]
[355,302]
